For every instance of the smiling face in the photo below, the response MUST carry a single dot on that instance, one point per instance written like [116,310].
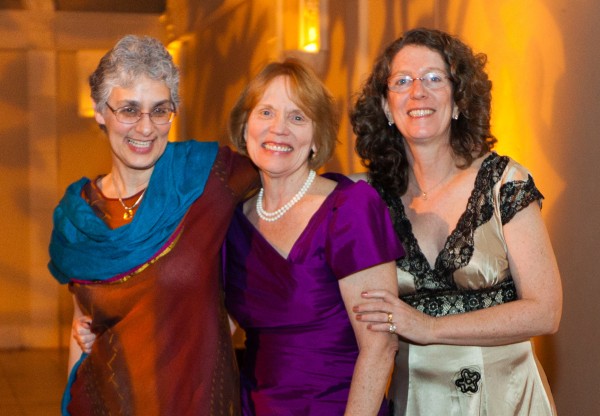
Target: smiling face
[421,114]
[279,135]
[136,146]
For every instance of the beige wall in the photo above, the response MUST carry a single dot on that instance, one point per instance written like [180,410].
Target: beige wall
[542,59]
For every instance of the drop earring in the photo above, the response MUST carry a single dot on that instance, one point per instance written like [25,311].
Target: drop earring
[389,119]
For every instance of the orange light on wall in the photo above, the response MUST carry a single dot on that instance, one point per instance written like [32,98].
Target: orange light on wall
[310,26]
[177,50]
[87,61]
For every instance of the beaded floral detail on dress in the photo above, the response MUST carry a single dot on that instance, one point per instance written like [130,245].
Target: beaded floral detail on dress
[436,292]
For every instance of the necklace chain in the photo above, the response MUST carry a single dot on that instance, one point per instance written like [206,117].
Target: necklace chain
[275,215]
[128,210]
[425,194]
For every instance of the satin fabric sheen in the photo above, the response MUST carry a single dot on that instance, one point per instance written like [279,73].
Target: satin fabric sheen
[301,348]
[512,382]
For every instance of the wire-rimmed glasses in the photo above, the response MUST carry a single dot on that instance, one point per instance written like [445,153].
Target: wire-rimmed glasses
[431,80]
[131,115]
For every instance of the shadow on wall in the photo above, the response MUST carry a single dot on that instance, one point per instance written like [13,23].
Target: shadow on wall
[570,143]
[15,297]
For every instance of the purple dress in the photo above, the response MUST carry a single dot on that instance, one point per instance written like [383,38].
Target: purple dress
[300,346]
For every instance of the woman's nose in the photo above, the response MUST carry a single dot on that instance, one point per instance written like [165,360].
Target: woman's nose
[279,124]
[144,125]
[417,89]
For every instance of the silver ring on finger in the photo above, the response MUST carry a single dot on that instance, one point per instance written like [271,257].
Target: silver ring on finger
[392,329]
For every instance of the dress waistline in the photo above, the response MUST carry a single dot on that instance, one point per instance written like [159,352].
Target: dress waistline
[455,301]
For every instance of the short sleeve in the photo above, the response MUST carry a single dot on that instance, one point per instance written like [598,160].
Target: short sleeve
[517,191]
[361,234]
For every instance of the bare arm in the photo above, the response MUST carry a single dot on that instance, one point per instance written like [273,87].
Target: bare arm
[376,350]
[536,312]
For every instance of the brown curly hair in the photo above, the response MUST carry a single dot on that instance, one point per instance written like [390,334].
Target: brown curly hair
[381,147]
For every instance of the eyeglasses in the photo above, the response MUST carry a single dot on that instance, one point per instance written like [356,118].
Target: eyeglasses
[131,115]
[431,80]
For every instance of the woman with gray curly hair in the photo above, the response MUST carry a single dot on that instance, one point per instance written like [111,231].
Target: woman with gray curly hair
[139,248]
[479,278]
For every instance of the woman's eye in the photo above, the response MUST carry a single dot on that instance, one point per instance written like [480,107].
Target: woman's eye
[433,77]
[264,112]
[129,110]
[298,118]
[161,111]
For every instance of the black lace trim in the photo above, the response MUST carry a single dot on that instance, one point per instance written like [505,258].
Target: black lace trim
[461,301]
[459,246]
[514,196]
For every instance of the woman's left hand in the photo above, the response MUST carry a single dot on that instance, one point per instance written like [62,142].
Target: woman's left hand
[385,312]
[82,333]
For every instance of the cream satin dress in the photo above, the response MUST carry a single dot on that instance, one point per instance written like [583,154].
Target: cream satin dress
[470,273]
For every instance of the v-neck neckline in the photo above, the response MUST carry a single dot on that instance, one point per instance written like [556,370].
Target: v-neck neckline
[455,233]
[309,225]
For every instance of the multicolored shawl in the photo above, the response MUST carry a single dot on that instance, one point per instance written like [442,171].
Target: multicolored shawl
[83,247]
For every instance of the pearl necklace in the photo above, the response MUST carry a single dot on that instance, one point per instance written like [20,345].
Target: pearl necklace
[275,215]
[128,210]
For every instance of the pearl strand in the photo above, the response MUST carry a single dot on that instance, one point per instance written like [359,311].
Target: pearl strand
[275,215]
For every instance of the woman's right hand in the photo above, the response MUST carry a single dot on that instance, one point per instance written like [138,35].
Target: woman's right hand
[82,333]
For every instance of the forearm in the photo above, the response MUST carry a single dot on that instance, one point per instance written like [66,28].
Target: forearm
[503,324]
[370,380]
[376,350]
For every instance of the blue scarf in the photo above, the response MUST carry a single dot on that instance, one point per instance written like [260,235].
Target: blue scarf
[83,247]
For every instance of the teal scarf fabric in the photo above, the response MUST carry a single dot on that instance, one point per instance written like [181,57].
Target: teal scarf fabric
[83,247]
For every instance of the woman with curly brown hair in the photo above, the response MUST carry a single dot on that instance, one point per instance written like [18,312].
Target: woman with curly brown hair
[479,278]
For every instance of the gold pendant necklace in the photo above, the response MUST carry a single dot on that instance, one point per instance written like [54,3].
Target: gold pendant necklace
[425,194]
[128,214]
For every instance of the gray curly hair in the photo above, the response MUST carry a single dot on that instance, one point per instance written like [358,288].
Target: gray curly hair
[132,57]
